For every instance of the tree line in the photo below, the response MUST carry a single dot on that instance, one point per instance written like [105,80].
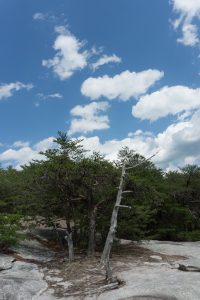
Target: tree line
[75,190]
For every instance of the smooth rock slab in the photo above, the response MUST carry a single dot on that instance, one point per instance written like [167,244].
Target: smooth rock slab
[156,257]
[159,297]
[32,249]
[23,282]
[149,281]
[5,262]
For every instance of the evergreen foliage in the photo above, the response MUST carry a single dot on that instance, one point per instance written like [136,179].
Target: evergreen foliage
[75,190]
[9,230]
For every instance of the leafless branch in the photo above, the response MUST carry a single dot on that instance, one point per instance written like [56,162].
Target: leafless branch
[139,164]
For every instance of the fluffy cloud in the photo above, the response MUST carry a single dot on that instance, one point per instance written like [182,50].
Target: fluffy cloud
[190,35]
[188,10]
[168,100]
[7,89]
[110,148]
[105,59]
[122,86]
[89,118]
[19,157]
[24,152]
[44,144]
[69,56]
[179,144]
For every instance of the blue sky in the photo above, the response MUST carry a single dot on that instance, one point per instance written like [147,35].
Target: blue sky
[115,73]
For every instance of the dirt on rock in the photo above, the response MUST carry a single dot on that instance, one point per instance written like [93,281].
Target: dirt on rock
[84,277]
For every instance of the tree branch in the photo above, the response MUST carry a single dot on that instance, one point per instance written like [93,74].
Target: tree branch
[139,164]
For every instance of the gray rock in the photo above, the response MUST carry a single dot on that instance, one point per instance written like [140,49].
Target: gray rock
[32,249]
[5,262]
[24,281]
[188,268]
[156,257]
[149,297]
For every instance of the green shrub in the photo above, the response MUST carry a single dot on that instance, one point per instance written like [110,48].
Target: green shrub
[164,234]
[192,236]
[9,230]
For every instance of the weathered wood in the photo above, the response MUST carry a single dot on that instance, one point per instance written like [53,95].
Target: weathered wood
[126,192]
[124,206]
[104,288]
[139,164]
[99,290]
[188,268]
[105,258]
[70,243]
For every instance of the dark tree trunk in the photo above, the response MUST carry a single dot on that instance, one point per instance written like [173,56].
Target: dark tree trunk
[92,230]
[58,236]
[70,243]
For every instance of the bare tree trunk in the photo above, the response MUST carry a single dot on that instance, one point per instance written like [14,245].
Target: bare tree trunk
[70,243]
[92,229]
[69,240]
[105,258]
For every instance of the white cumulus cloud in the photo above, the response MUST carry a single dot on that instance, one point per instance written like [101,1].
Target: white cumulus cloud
[166,101]
[18,157]
[69,56]
[22,153]
[122,86]
[44,144]
[7,89]
[105,59]
[178,145]
[187,10]
[190,35]
[110,148]
[89,117]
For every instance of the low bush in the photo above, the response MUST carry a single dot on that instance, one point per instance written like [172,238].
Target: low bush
[9,230]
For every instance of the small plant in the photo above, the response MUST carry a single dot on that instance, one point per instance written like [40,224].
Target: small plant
[192,236]
[9,230]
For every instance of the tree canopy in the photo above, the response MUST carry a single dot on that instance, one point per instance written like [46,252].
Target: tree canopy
[75,190]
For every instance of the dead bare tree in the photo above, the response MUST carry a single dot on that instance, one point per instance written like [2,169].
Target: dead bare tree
[105,258]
